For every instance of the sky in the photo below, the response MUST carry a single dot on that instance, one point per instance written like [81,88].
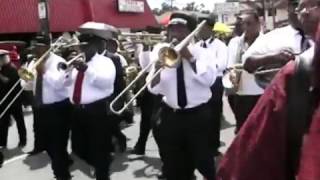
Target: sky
[209,4]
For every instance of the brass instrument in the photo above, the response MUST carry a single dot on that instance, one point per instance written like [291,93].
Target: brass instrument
[27,74]
[68,65]
[265,74]
[231,78]
[144,38]
[169,56]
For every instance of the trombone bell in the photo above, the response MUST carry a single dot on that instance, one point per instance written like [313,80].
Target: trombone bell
[169,57]
[25,74]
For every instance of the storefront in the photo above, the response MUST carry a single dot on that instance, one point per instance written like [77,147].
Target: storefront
[22,16]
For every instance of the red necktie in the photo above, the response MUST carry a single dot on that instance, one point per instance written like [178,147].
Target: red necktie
[78,88]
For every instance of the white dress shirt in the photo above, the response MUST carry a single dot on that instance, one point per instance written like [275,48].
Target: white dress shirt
[197,83]
[144,60]
[275,41]
[98,80]
[219,53]
[247,83]
[53,87]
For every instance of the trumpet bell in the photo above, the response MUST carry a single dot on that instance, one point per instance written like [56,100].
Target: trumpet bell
[25,74]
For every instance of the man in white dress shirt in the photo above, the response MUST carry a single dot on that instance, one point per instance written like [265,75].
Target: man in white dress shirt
[248,92]
[186,115]
[278,46]
[53,109]
[219,53]
[92,83]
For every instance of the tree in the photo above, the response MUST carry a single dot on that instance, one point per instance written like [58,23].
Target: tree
[194,7]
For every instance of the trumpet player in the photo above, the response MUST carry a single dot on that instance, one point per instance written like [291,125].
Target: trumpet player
[92,83]
[248,92]
[53,108]
[186,116]
[219,53]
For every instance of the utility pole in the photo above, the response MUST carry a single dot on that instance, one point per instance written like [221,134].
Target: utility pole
[43,12]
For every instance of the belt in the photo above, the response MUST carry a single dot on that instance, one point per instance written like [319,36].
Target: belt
[91,105]
[188,110]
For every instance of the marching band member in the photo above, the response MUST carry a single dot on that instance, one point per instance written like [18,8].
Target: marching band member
[269,50]
[219,53]
[119,84]
[8,77]
[92,83]
[53,108]
[186,115]
[248,91]
[280,137]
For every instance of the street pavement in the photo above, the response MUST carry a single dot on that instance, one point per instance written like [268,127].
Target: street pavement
[18,166]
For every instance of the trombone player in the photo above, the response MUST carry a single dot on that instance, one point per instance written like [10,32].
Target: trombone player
[186,116]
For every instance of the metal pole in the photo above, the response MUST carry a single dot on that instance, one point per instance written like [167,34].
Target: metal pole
[43,12]
[273,14]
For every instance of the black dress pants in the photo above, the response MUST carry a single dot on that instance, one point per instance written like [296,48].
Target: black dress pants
[243,107]
[217,110]
[91,136]
[147,110]
[186,143]
[17,113]
[54,127]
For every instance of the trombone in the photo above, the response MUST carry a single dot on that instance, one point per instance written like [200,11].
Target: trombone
[26,73]
[81,55]
[169,55]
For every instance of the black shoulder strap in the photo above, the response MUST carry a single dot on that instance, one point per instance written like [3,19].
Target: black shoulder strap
[299,111]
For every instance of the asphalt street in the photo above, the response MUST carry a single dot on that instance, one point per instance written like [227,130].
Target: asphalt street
[18,166]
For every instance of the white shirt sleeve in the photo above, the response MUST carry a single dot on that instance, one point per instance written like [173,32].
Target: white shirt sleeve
[232,51]
[222,55]
[144,59]
[55,77]
[101,73]
[206,71]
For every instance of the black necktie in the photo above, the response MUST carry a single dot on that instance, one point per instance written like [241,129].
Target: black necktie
[304,44]
[181,88]
[204,44]
[38,91]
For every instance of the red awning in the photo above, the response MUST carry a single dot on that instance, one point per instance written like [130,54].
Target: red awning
[21,16]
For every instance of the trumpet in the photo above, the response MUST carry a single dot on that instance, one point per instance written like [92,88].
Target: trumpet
[68,65]
[169,56]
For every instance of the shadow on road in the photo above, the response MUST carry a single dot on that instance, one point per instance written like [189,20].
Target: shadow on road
[37,161]
[225,124]
[81,166]
[10,153]
[152,168]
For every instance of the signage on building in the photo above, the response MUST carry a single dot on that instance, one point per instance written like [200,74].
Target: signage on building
[135,6]
[227,8]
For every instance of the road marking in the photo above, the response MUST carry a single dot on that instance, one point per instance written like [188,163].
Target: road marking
[15,159]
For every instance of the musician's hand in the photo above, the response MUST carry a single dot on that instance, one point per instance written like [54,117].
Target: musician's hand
[186,54]
[80,65]
[284,56]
